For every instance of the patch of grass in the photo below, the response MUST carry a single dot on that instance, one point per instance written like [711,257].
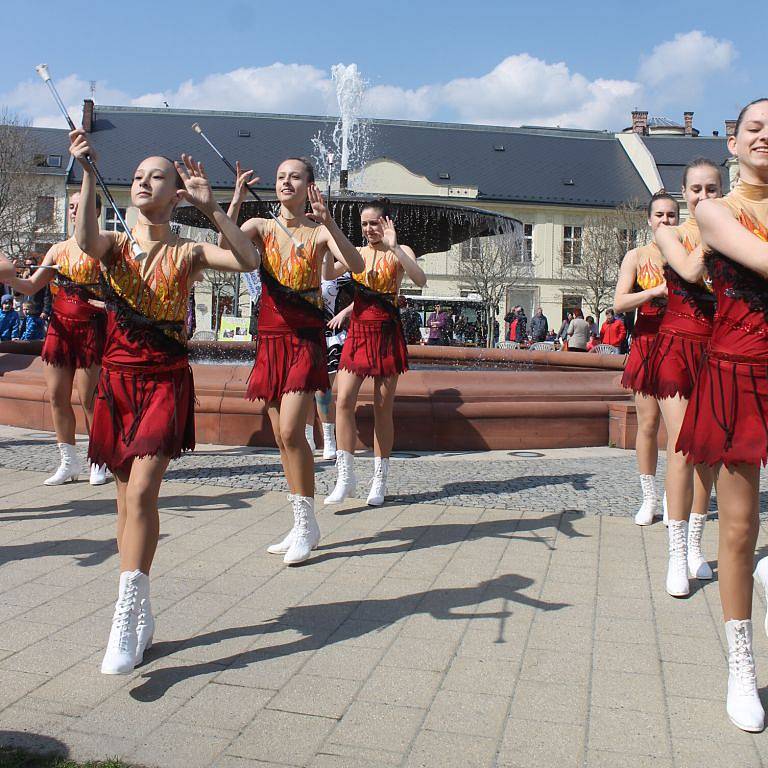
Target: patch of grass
[19,758]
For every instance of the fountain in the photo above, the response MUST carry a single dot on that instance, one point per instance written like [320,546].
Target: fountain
[453,398]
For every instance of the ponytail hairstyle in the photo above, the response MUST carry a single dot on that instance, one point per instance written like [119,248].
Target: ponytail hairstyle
[662,194]
[701,162]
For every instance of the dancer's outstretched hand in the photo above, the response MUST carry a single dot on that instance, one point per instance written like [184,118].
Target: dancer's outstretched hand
[80,147]
[7,268]
[320,212]
[197,189]
[244,180]
[389,235]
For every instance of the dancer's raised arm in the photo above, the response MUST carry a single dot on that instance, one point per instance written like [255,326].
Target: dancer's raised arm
[251,227]
[95,243]
[333,238]
[725,234]
[242,256]
[404,253]
[690,266]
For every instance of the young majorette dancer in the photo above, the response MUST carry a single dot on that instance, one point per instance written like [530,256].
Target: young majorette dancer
[375,346]
[726,424]
[144,414]
[641,286]
[669,376]
[337,303]
[74,342]
[291,351]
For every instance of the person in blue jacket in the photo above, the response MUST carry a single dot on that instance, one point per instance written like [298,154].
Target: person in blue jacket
[9,319]
[32,325]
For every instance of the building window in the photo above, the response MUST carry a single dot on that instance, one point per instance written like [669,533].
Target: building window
[44,210]
[471,250]
[111,222]
[570,303]
[628,239]
[571,246]
[53,161]
[42,247]
[528,242]
[411,291]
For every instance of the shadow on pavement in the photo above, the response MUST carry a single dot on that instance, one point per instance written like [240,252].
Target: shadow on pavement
[324,625]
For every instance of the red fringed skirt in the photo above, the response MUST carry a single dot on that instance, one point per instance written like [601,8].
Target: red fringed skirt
[375,344]
[672,365]
[636,369]
[727,417]
[142,412]
[76,333]
[290,350]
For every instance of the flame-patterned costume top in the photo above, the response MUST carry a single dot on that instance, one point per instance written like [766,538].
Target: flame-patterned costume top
[650,273]
[382,274]
[78,274]
[147,300]
[690,307]
[741,321]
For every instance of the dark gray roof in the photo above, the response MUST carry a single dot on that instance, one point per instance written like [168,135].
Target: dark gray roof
[673,153]
[533,167]
[47,142]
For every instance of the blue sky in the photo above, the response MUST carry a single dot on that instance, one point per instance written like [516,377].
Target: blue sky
[581,64]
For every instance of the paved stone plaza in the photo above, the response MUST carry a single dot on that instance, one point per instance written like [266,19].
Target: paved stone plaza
[501,611]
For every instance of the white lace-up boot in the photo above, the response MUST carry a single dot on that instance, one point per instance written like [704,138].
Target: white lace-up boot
[761,574]
[647,509]
[346,482]
[329,440]
[309,432]
[98,474]
[379,484]
[69,468]
[743,705]
[306,531]
[677,569]
[145,624]
[698,567]
[665,513]
[120,656]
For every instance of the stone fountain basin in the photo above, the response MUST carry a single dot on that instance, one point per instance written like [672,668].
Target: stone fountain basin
[551,399]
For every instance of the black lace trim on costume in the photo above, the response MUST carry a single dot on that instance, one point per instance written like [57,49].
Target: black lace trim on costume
[297,298]
[740,282]
[384,300]
[695,296]
[162,335]
[84,291]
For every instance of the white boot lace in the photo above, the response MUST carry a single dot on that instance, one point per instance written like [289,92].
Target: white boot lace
[695,532]
[742,663]
[678,546]
[122,618]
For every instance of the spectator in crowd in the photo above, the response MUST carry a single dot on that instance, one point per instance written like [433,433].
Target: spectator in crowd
[594,340]
[563,333]
[438,323]
[191,320]
[32,326]
[9,319]
[411,323]
[551,336]
[613,331]
[539,325]
[578,332]
[460,329]
[517,325]
[593,327]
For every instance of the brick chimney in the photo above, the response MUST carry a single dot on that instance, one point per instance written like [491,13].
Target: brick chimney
[88,115]
[640,122]
[730,127]
[688,118]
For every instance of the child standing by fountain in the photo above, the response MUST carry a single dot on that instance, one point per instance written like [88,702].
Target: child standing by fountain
[726,424]
[641,286]
[673,367]
[74,342]
[144,412]
[290,363]
[375,346]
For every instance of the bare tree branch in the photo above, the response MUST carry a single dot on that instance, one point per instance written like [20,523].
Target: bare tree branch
[491,267]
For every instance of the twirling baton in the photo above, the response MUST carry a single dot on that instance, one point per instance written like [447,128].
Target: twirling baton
[297,244]
[138,253]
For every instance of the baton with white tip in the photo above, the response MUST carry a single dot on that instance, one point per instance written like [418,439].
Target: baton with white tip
[297,244]
[42,70]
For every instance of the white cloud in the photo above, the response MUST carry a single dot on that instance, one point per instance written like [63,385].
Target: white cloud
[680,69]
[520,89]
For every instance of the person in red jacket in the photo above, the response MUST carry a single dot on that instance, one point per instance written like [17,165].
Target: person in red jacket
[613,332]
